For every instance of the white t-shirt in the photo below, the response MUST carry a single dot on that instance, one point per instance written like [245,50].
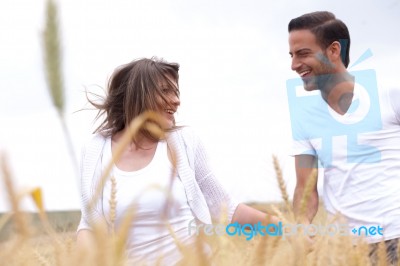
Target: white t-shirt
[147,190]
[360,154]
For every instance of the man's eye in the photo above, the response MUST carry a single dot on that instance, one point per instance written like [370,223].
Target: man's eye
[304,54]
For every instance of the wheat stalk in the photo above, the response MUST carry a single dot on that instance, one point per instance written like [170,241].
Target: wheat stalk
[53,71]
[260,256]
[113,203]
[282,187]
[381,254]
[4,219]
[310,185]
[132,130]
[398,250]
[41,259]
[20,222]
[52,56]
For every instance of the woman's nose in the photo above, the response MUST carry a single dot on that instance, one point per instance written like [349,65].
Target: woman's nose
[175,100]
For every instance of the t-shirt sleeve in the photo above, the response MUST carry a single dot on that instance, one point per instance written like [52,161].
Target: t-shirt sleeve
[301,144]
[302,147]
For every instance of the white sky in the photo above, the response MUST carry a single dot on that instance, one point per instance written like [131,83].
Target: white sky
[234,66]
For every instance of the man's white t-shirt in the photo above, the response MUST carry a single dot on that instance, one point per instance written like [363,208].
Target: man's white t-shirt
[360,155]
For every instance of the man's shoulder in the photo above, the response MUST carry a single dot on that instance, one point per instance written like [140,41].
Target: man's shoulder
[390,96]
[388,91]
[393,92]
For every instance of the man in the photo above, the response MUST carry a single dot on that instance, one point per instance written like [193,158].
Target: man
[349,128]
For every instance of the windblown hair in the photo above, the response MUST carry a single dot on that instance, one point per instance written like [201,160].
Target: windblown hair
[134,88]
[327,29]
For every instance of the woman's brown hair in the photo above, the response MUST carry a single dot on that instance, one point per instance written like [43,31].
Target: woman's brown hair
[134,88]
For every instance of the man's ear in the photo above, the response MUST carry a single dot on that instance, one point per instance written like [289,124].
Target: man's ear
[333,51]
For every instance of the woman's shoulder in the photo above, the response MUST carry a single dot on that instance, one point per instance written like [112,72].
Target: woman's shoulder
[94,141]
[187,133]
[95,137]
[185,130]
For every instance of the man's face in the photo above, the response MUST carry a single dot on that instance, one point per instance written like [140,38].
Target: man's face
[309,60]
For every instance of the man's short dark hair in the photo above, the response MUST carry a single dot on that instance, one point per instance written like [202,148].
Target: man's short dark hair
[327,29]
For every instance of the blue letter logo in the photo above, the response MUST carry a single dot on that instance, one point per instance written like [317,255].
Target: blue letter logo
[312,119]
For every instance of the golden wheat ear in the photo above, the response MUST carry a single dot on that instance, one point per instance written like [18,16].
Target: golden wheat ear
[52,57]
[282,188]
[53,71]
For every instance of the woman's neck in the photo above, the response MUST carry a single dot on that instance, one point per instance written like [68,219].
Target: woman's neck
[141,142]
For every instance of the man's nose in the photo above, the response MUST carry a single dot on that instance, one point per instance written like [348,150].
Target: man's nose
[295,63]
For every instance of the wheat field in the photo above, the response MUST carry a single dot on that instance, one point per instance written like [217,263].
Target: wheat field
[38,239]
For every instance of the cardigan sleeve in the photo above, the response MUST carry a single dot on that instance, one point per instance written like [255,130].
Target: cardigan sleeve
[83,224]
[220,203]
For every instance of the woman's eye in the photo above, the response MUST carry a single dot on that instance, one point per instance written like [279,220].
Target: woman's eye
[170,91]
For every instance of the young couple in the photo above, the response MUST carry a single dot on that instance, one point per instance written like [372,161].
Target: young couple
[362,191]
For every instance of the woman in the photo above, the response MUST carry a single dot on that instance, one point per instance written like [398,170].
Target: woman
[193,193]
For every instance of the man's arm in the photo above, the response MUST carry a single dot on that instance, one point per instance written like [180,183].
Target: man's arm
[305,164]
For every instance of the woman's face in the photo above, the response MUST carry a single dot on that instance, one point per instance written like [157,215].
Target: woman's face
[170,106]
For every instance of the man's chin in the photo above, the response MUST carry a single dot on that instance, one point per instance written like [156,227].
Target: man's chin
[309,86]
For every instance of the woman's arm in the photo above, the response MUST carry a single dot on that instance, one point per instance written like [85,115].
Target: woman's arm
[84,239]
[245,214]
[216,196]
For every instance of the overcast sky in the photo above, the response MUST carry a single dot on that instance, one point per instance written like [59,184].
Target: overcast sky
[234,66]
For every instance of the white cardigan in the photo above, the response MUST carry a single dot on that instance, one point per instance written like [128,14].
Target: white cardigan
[206,197]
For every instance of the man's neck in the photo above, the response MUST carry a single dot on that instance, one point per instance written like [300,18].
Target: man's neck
[338,92]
